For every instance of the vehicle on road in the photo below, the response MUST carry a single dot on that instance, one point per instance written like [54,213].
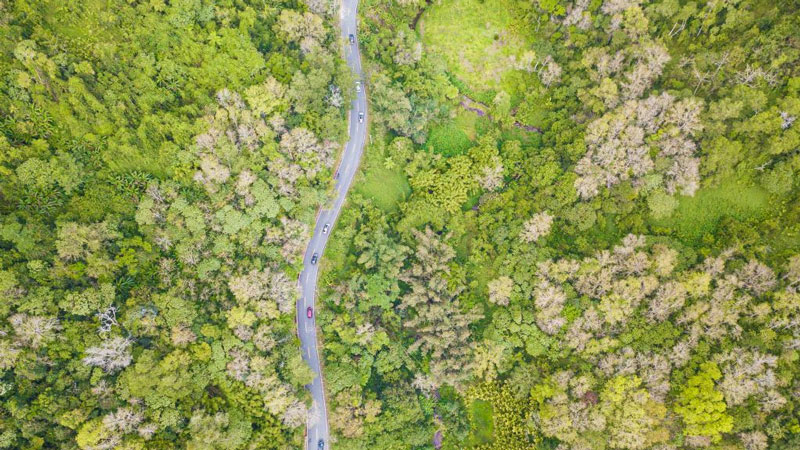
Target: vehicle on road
[317,425]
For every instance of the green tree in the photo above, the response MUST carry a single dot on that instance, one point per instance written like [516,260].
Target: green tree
[702,407]
[552,7]
[634,418]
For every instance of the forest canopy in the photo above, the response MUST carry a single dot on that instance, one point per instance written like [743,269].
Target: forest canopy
[576,228]
[160,167]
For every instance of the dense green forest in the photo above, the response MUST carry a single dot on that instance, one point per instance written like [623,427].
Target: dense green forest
[577,226]
[161,163]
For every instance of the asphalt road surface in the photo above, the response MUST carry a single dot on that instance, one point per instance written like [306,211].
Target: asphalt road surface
[317,424]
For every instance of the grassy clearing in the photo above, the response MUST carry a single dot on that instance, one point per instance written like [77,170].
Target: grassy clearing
[477,40]
[698,215]
[449,139]
[385,187]
[482,422]
[466,120]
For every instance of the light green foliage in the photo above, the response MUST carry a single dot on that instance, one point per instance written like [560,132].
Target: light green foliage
[446,188]
[384,181]
[448,139]
[299,372]
[497,419]
[477,45]
[88,302]
[219,431]
[701,407]
[239,316]
[161,162]
[661,205]
[633,418]
[8,281]
[660,140]
[151,153]
[695,216]
[482,421]
[159,383]
[91,434]
[552,7]
[780,180]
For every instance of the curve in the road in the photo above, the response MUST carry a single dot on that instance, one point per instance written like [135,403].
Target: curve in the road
[317,424]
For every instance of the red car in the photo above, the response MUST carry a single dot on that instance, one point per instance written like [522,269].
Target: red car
[309,312]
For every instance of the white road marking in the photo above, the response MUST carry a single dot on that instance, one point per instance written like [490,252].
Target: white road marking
[317,424]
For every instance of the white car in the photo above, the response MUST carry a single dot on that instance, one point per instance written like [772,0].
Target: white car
[358,86]
[360,117]
[326,228]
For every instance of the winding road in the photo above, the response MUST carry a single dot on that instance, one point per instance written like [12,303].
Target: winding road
[317,423]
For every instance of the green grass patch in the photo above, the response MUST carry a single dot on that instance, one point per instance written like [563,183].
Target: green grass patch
[482,430]
[527,138]
[478,39]
[449,139]
[466,121]
[699,215]
[385,187]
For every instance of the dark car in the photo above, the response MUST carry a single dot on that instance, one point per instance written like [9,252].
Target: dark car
[314,258]
[309,312]
[326,228]
[360,117]
[352,39]
[321,444]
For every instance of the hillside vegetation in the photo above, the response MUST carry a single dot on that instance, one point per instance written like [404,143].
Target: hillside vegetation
[599,249]
[160,165]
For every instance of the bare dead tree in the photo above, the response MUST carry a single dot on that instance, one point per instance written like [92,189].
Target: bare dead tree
[111,355]
[108,319]
[677,28]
